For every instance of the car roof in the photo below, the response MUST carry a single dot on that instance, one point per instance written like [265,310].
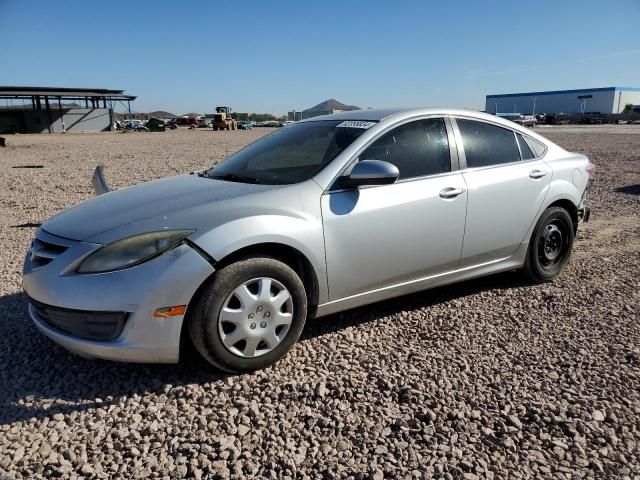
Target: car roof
[378,115]
[369,114]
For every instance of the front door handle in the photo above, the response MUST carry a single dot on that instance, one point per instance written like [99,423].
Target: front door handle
[535,174]
[451,192]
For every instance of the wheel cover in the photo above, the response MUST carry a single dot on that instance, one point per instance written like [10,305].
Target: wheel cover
[552,244]
[256,317]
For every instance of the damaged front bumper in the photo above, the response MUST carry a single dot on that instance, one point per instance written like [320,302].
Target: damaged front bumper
[111,315]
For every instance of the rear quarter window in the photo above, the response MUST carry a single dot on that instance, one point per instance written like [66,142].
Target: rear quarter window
[538,148]
[526,152]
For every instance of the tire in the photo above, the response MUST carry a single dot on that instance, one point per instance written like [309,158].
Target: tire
[550,245]
[256,317]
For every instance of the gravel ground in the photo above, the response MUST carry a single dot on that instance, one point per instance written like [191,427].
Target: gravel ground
[491,378]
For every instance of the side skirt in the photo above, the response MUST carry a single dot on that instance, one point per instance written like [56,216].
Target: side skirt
[495,266]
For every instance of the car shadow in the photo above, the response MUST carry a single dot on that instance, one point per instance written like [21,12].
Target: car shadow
[629,189]
[35,369]
[413,301]
[39,378]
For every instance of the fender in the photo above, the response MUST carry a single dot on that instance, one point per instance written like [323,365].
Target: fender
[568,182]
[302,234]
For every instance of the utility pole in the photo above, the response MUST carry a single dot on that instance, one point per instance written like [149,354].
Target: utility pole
[64,130]
[534,105]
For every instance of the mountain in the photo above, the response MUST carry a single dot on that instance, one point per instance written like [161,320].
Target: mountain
[332,104]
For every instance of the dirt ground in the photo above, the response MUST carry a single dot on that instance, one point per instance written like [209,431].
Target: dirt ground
[492,378]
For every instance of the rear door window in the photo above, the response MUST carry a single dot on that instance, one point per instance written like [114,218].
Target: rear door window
[417,148]
[486,144]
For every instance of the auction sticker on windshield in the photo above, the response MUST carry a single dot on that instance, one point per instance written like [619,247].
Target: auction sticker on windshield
[356,124]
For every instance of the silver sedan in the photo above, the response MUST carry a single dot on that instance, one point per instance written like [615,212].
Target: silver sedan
[321,216]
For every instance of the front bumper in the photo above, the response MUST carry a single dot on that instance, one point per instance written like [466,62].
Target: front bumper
[169,279]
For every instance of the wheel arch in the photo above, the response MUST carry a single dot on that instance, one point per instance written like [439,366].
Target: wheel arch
[561,194]
[287,254]
[570,207]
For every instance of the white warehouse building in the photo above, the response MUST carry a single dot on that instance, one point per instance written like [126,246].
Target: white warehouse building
[587,100]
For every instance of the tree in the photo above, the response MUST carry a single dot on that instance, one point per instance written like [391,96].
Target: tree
[261,117]
[628,108]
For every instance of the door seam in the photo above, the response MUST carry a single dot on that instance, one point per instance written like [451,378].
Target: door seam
[466,211]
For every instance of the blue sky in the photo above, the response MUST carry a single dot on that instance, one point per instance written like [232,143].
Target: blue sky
[272,56]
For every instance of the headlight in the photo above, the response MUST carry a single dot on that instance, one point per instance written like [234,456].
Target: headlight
[131,251]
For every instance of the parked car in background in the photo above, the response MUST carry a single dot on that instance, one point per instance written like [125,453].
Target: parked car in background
[270,123]
[245,125]
[322,216]
[133,125]
[525,120]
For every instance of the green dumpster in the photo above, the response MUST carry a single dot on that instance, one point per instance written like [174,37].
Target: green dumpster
[156,125]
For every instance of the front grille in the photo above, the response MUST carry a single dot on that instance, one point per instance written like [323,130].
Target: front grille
[88,325]
[42,252]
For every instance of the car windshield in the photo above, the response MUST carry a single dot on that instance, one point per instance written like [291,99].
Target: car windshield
[291,155]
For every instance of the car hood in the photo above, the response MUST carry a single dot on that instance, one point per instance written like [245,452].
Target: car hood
[163,200]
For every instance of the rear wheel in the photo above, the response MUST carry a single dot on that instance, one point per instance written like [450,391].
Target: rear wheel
[250,315]
[550,246]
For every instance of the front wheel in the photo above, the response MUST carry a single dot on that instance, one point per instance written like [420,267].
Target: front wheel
[250,315]
[550,245]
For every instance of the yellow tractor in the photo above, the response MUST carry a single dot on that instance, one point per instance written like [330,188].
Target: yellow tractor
[222,119]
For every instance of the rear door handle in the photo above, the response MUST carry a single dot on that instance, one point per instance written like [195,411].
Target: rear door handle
[451,192]
[535,174]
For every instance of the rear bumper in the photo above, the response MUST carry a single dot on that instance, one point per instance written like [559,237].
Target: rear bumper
[584,214]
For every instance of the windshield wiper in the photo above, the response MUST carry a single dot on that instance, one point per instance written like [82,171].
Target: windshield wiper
[233,177]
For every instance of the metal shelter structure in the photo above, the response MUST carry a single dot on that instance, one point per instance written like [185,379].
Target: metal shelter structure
[49,101]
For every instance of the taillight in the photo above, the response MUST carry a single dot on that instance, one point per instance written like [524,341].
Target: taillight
[591,171]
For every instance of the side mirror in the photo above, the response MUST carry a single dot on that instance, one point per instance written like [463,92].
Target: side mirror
[371,172]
